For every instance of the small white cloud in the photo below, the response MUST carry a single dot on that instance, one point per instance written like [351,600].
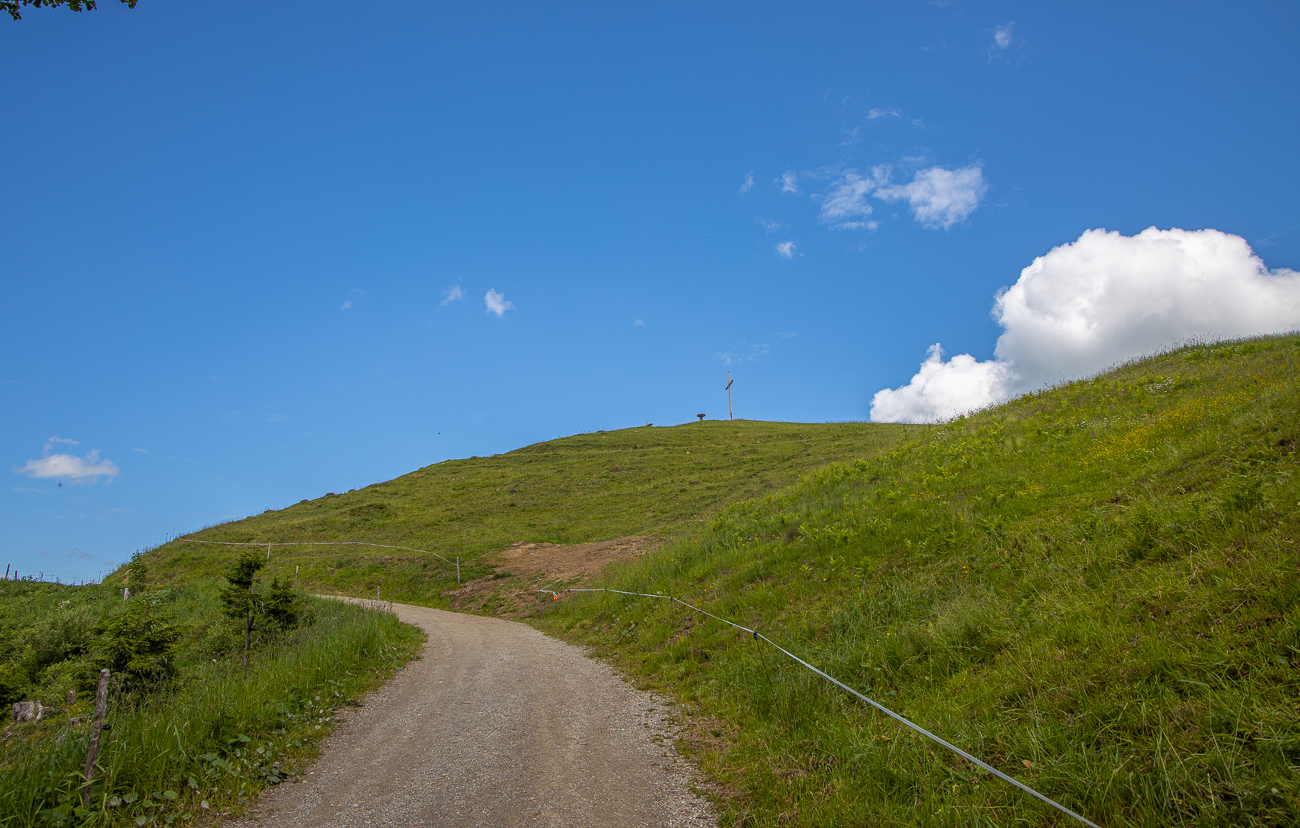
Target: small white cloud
[345,306]
[940,197]
[846,207]
[1002,37]
[748,183]
[1099,301]
[789,182]
[496,303]
[53,441]
[786,249]
[882,113]
[768,226]
[77,469]
[142,451]
[451,294]
[639,322]
[276,418]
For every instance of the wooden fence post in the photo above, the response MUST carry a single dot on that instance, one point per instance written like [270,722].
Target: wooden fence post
[96,728]
[248,635]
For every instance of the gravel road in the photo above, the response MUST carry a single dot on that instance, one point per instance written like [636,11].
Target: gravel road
[495,725]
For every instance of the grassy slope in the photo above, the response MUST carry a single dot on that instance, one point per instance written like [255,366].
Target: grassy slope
[1096,588]
[584,488]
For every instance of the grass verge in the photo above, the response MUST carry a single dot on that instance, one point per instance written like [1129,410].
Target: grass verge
[211,741]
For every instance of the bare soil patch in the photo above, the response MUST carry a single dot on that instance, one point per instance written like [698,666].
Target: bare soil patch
[511,592]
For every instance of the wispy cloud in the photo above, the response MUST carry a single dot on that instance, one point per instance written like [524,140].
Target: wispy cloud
[1003,39]
[748,183]
[497,303]
[750,353]
[786,249]
[276,418]
[846,207]
[68,466]
[768,226]
[142,451]
[883,113]
[789,182]
[639,323]
[1002,35]
[345,306]
[940,197]
[451,294]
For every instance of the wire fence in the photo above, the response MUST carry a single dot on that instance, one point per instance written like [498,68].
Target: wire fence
[455,563]
[758,636]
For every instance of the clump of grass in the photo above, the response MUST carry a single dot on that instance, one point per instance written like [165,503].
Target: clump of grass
[1094,587]
[213,739]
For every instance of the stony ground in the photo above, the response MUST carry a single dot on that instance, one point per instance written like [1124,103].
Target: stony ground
[496,725]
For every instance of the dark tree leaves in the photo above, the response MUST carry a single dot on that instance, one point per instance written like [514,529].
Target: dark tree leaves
[238,599]
[140,641]
[14,6]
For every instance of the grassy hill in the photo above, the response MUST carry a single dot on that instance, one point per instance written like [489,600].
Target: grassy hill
[591,487]
[1095,588]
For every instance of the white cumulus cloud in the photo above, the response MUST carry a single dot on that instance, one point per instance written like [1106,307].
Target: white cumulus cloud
[69,466]
[497,303]
[786,249]
[789,182]
[1101,300]
[748,183]
[940,197]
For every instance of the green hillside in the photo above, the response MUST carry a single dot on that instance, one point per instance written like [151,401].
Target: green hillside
[591,487]
[1096,588]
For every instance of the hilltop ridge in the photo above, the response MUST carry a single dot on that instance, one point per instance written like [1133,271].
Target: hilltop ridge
[600,486]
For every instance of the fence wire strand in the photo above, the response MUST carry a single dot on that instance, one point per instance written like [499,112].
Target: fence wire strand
[895,716]
[320,543]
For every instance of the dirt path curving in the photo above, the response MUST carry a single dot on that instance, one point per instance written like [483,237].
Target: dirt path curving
[496,725]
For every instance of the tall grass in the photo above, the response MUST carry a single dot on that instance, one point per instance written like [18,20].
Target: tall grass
[1095,588]
[212,742]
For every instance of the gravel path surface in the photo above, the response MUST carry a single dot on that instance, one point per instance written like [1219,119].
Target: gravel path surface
[495,725]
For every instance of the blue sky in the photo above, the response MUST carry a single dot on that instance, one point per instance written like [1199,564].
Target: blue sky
[230,231]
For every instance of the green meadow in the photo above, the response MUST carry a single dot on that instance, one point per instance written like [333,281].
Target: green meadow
[590,487]
[1094,588]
